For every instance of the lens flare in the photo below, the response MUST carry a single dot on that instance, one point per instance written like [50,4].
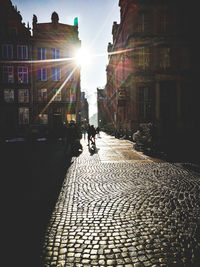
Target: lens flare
[83,57]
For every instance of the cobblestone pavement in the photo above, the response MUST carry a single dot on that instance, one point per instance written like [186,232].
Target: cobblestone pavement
[118,207]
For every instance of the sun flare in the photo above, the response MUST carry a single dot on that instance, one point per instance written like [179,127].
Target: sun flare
[83,57]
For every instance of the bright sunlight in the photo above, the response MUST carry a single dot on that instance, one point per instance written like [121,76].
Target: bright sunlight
[83,57]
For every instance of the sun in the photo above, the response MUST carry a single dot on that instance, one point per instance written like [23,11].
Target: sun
[83,57]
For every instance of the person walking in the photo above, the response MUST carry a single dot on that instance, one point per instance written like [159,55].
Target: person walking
[91,134]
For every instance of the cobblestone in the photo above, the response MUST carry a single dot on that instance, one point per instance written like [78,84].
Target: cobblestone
[124,213]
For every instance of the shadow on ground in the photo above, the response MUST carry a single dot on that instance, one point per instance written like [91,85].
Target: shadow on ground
[31,178]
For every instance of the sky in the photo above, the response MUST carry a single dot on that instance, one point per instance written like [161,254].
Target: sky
[95,20]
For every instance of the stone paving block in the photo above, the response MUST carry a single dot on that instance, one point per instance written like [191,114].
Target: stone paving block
[124,213]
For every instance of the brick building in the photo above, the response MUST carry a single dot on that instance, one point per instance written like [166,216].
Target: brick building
[15,78]
[101,107]
[84,110]
[152,70]
[39,78]
[56,79]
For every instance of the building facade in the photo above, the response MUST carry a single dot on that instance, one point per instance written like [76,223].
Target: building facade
[56,77]
[15,78]
[152,70]
[101,108]
[84,110]
[39,78]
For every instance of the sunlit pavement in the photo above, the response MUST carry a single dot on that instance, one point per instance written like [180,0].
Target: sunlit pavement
[118,207]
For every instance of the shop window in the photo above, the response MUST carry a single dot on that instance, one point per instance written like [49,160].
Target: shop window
[43,118]
[23,115]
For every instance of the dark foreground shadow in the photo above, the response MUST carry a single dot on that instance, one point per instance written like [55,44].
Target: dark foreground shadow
[31,179]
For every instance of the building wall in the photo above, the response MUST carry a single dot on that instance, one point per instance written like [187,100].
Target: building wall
[53,42]
[23,100]
[151,63]
[15,78]
[84,111]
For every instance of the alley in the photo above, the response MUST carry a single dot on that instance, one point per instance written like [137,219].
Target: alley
[119,207]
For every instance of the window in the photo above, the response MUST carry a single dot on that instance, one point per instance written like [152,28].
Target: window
[22,75]
[22,51]
[41,53]
[44,118]
[8,74]
[70,76]
[42,94]
[23,96]
[143,58]
[56,74]
[71,117]
[7,51]
[58,95]
[143,23]
[165,58]
[9,95]
[164,21]
[23,115]
[42,74]
[145,103]
[55,53]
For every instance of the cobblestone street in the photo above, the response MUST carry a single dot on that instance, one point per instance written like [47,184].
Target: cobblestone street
[119,207]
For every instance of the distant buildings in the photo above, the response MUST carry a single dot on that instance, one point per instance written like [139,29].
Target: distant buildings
[101,107]
[84,113]
[38,82]
[153,68]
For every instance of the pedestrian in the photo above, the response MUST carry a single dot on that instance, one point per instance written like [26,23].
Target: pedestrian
[91,134]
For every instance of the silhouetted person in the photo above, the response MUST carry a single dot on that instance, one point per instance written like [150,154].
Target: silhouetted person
[91,134]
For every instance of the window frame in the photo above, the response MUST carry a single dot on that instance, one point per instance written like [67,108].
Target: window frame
[41,95]
[23,121]
[56,76]
[7,51]
[145,102]
[9,73]
[21,54]
[11,93]
[58,97]
[23,96]
[42,74]
[23,73]
[55,53]
[165,58]
[41,53]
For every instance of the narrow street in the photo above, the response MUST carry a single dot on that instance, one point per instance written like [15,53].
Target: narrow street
[119,207]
